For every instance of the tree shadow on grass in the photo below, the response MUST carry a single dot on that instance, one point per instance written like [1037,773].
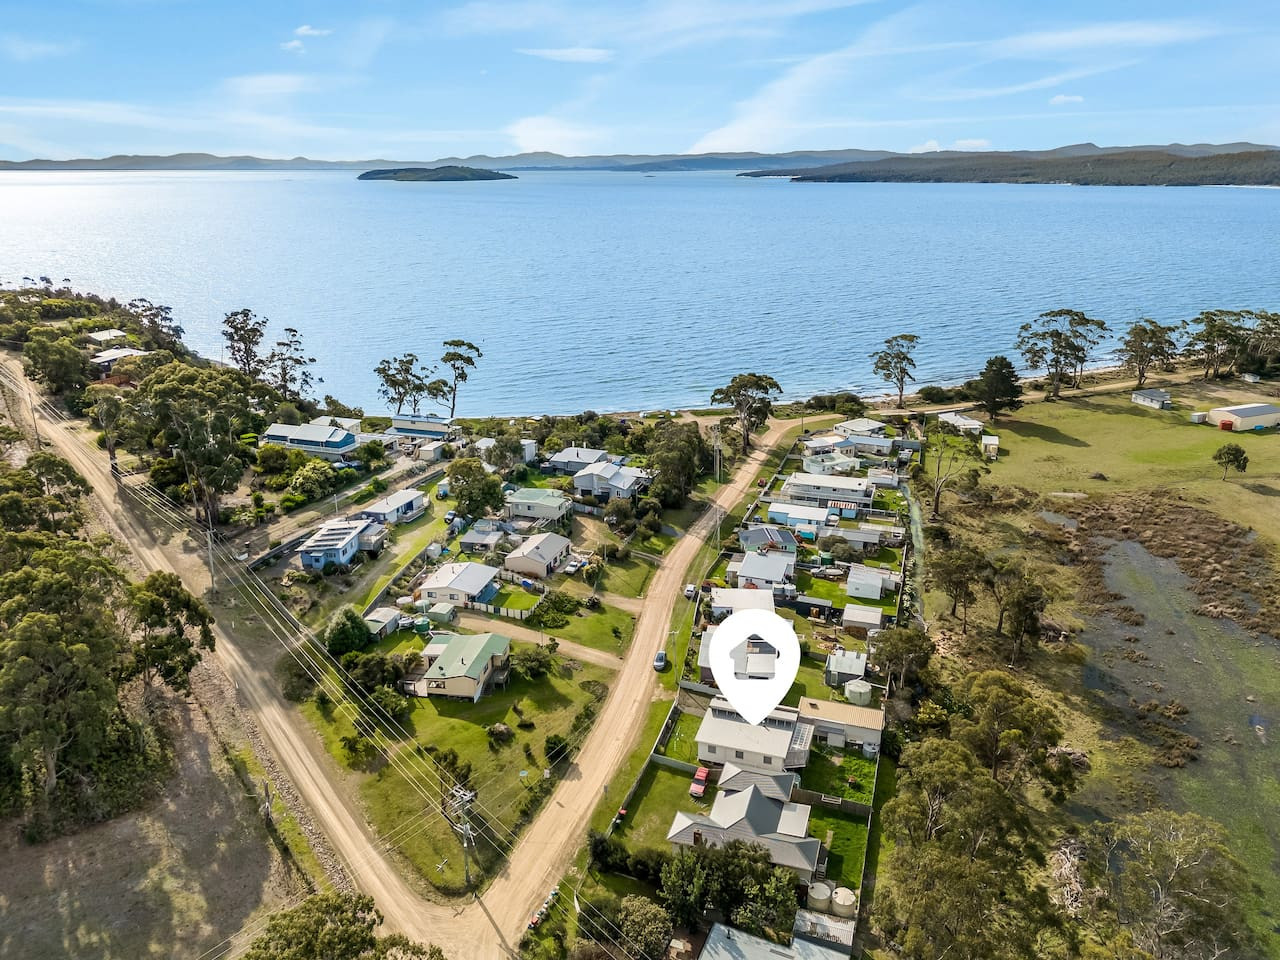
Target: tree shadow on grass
[1262,489]
[1040,431]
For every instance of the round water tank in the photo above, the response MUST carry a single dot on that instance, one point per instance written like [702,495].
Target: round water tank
[844,902]
[819,896]
[858,692]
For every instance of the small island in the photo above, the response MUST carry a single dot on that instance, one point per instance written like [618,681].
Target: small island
[434,173]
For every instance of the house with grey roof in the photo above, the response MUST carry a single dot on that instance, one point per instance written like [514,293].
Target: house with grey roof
[764,536]
[844,665]
[539,555]
[860,427]
[538,503]
[775,786]
[459,583]
[318,440]
[399,507]
[422,427]
[573,459]
[610,481]
[728,943]
[781,827]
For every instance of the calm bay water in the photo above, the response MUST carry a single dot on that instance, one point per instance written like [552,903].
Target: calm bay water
[622,291]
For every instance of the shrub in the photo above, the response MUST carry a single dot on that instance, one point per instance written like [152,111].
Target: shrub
[556,749]
[345,632]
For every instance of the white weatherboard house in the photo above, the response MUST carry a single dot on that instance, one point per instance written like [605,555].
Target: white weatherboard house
[780,826]
[399,507]
[1246,416]
[539,556]
[960,422]
[727,600]
[860,427]
[1155,399]
[826,464]
[609,481]
[329,443]
[870,583]
[103,337]
[421,427]
[840,724]
[860,619]
[108,358]
[766,537]
[765,571]
[821,443]
[842,493]
[844,665]
[779,743]
[990,446]
[573,459]
[537,503]
[338,541]
[461,666]
[459,583]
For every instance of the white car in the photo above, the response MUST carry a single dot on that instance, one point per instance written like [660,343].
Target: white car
[572,567]
[690,591]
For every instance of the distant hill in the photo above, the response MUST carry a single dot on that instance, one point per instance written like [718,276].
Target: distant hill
[1156,167]
[428,174]
[793,162]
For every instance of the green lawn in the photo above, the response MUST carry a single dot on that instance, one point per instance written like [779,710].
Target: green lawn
[681,745]
[808,682]
[661,794]
[829,772]
[886,786]
[848,845]
[604,628]
[833,590]
[391,800]
[516,598]
[627,773]
[1049,447]
[627,578]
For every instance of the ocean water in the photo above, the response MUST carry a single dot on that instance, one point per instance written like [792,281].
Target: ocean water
[618,291]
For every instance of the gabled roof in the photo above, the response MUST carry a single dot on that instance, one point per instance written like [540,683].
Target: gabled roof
[726,943]
[578,455]
[766,535]
[1153,393]
[846,714]
[739,735]
[334,535]
[394,501]
[624,478]
[106,336]
[822,480]
[540,495]
[1248,410]
[312,433]
[470,578]
[770,567]
[542,548]
[780,827]
[861,615]
[861,426]
[852,662]
[346,423]
[117,353]
[774,786]
[741,599]
[466,654]
[802,511]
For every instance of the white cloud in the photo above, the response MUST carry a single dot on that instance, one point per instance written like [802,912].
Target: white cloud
[1130,33]
[1059,99]
[366,40]
[24,50]
[293,46]
[972,143]
[1040,83]
[268,85]
[306,30]
[929,146]
[570,54]
[551,133]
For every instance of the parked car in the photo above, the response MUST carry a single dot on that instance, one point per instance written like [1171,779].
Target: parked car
[572,567]
[660,660]
[699,785]
[451,516]
[690,591]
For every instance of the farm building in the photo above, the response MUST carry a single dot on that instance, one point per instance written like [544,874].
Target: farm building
[1245,416]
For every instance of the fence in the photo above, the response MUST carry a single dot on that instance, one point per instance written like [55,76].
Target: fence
[671,764]
[511,613]
[813,798]
[660,741]
[587,508]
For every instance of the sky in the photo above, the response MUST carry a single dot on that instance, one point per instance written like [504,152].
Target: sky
[418,81]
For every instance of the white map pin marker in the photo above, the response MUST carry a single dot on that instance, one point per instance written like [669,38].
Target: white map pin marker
[754,658]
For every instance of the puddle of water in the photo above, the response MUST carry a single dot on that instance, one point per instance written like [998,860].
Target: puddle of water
[1229,683]
[1058,519]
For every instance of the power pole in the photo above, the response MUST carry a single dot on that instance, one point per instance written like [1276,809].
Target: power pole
[213,577]
[715,440]
[460,819]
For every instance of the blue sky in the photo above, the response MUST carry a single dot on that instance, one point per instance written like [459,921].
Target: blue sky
[417,81]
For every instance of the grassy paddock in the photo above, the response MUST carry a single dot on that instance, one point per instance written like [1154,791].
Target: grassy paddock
[662,793]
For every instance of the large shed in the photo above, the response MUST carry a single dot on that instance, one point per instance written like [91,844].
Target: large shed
[1245,416]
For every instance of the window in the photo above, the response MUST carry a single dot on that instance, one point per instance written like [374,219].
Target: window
[737,754]
[711,748]
[768,761]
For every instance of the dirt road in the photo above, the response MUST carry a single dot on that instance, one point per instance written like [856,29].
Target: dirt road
[492,926]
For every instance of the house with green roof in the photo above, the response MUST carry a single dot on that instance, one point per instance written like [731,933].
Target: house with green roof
[462,666]
[538,503]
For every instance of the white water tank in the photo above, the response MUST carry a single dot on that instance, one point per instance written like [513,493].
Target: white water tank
[858,692]
[820,896]
[869,750]
[1199,417]
[844,902]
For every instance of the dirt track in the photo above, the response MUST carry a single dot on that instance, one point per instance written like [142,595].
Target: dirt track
[492,926]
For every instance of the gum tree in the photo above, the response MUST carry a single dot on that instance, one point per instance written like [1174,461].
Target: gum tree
[751,397]
[895,361]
